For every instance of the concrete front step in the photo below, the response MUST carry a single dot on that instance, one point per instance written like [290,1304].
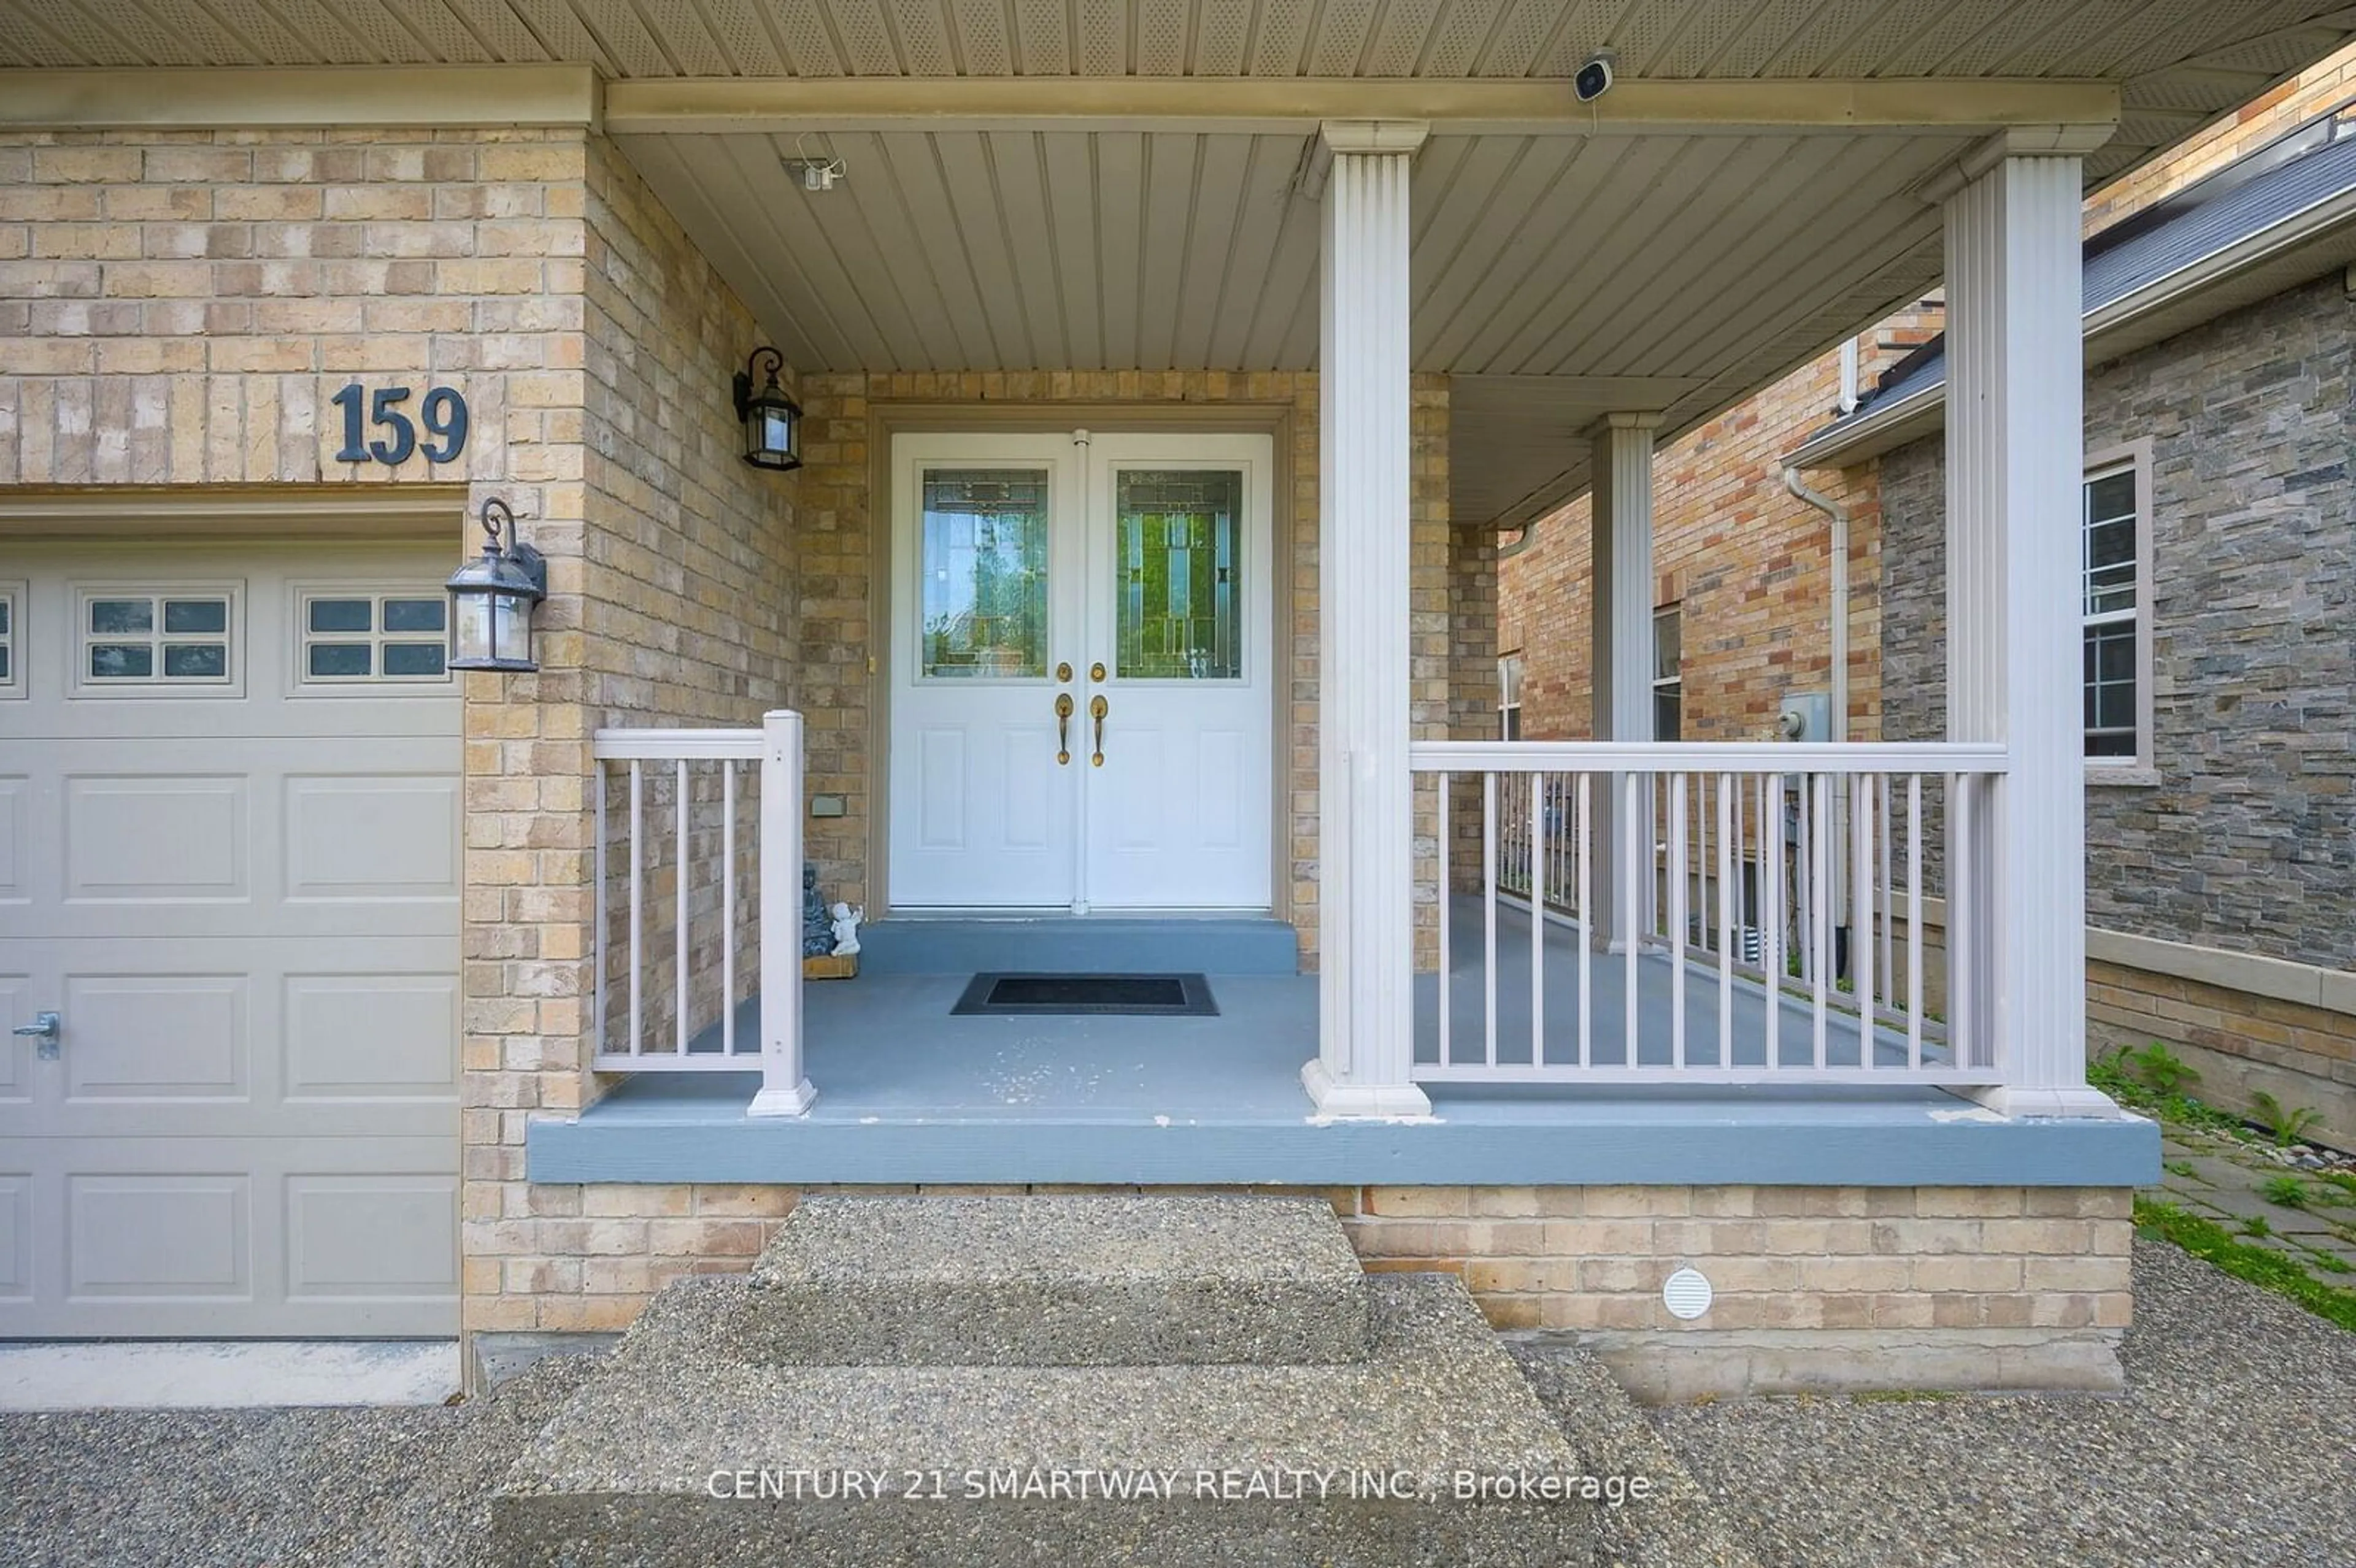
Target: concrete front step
[1079,944]
[1088,1279]
[684,1450]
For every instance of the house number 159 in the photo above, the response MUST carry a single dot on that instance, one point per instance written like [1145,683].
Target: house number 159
[443,414]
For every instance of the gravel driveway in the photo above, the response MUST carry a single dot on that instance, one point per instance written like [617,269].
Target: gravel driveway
[2235,1445]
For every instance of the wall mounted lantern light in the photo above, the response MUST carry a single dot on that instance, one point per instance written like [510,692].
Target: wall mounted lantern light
[491,599]
[773,422]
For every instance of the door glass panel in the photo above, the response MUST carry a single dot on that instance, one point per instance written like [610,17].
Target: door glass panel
[985,566]
[1177,586]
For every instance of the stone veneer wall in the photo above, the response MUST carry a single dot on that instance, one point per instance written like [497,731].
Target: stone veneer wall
[2248,840]
[1451,598]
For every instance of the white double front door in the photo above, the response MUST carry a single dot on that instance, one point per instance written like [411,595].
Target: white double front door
[1081,671]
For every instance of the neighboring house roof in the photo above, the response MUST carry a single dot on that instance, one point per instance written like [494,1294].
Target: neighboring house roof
[2280,217]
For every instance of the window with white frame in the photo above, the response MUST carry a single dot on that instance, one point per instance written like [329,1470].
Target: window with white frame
[1668,673]
[132,637]
[1509,697]
[2113,571]
[353,637]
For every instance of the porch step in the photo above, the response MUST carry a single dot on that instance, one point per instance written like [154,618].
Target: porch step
[1351,1465]
[1081,944]
[1058,1280]
[1280,1451]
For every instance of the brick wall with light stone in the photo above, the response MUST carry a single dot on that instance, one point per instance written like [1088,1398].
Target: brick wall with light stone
[1747,561]
[178,309]
[844,615]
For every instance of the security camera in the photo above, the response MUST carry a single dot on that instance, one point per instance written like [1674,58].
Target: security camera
[1594,78]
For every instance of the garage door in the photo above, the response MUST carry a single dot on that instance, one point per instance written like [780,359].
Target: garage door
[230,862]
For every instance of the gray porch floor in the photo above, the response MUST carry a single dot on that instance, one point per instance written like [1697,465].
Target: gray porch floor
[907,1094]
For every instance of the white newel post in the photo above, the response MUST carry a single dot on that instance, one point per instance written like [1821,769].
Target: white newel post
[1620,517]
[785,1091]
[2015,464]
[1365,791]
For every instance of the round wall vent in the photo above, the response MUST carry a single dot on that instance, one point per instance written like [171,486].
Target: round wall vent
[1686,1293]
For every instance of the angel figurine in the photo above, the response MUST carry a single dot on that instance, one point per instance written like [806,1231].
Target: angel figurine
[846,929]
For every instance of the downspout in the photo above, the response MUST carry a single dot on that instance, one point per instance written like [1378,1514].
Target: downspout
[1839,616]
[1839,611]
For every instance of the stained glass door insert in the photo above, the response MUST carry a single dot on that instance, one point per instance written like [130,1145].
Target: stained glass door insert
[984,564]
[1178,593]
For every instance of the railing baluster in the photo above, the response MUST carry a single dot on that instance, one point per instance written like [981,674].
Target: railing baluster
[1584,828]
[1771,914]
[1635,829]
[1447,887]
[679,880]
[597,938]
[727,908]
[1963,972]
[1820,898]
[1889,890]
[1489,917]
[637,925]
[1537,920]
[1914,921]
[1729,819]
[1860,912]
[1677,881]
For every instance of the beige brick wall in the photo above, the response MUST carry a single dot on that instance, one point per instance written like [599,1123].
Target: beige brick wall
[1902,1286]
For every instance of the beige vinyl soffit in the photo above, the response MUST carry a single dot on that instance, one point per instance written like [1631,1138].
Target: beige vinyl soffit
[323,96]
[1531,108]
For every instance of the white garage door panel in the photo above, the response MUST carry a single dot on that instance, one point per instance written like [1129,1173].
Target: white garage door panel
[244,898]
[292,1236]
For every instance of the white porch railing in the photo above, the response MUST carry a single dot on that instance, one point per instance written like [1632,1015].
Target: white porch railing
[1674,888]
[677,851]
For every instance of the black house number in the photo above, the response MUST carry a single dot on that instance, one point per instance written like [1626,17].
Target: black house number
[443,414]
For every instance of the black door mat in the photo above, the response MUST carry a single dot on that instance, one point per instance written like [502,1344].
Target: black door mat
[1126,996]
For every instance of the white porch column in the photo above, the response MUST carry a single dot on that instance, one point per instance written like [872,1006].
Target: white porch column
[1619,558]
[785,1090]
[2015,464]
[1365,799]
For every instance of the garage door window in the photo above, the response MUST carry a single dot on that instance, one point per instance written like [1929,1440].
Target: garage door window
[156,639]
[374,637]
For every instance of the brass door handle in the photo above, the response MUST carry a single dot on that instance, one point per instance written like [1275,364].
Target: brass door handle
[1098,709]
[1064,729]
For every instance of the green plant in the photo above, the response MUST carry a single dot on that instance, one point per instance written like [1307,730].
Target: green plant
[2162,1069]
[2343,1180]
[2287,1126]
[2289,1192]
[2180,1168]
[2255,1225]
[2261,1266]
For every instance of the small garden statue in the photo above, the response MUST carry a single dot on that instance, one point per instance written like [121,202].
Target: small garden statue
[817,930]
[846,929]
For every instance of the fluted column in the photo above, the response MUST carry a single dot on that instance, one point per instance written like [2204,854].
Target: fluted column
[1620,517]
[2015,465]
[1365,798]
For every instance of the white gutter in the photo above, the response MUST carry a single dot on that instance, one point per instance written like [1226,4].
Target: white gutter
[1884,425]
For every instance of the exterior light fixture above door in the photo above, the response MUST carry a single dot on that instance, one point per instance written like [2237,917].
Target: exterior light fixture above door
[491,599]
[773,422]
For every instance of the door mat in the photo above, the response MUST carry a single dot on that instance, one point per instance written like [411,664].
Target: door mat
[1135,995]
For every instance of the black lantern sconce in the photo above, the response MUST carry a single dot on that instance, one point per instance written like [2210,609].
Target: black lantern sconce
[491,599]
[773,422]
